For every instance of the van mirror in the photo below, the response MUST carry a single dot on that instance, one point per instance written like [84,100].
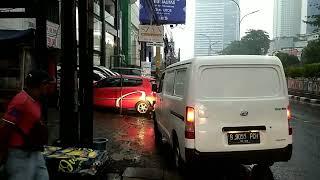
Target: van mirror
[154,88]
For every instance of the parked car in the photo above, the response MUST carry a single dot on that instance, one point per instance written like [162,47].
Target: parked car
[127,71]
[128,92]
[97,76]
[229,108]
[107,72]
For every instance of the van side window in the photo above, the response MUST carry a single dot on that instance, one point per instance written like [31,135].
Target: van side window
[168,83]
[179,82]
[161,83]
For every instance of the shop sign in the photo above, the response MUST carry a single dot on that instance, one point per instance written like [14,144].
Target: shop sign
[150,33]
[146,68]
[166,11]
[53,35]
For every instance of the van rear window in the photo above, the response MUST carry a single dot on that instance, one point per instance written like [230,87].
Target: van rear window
[239,82]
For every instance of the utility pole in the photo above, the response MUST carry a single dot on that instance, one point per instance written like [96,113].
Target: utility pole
[103,35]
[41,54]
[41,35]
[241,19]
[86,69]
[68,101]
[126,29]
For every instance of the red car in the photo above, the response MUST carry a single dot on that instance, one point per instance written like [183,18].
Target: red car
[128,92]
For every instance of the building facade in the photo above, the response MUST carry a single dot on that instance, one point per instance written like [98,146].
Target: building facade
[287,18]
[135,45]
[216,25]
[309,8]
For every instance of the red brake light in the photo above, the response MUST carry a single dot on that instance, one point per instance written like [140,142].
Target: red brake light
[289,117]
[189,124]
[288,113]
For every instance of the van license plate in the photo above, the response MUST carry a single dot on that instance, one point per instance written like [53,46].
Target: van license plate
[244,138]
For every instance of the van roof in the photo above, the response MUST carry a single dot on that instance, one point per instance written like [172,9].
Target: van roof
[231,59]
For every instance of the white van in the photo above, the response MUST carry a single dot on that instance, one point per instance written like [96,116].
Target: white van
[228,108]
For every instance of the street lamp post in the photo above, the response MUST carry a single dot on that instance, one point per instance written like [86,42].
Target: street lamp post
[246,15]
[210,43]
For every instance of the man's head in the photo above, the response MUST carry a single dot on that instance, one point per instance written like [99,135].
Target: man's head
[38,82]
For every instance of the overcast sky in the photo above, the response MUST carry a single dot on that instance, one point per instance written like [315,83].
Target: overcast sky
[184,34]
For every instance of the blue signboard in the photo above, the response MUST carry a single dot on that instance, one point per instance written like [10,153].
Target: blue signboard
[166,11]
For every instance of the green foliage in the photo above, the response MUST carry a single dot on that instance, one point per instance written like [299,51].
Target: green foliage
[235,48]
[295,72]
[314,20]
[255,42]
[311,53]
[307,71]
[312,70]
[288,60]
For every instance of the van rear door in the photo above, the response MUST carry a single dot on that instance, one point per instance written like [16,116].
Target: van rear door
[241,108]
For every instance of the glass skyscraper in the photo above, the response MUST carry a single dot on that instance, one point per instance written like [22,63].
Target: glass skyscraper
[216,22]
[287,18]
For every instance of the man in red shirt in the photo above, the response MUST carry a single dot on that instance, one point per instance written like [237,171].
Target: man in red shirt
[28,135]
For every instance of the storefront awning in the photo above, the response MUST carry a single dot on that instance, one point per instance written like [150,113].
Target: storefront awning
[15,37]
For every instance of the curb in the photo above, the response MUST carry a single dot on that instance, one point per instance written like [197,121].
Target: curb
[304,99]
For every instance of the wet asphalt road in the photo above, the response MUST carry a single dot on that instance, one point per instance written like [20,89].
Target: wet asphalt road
[131,144]
[305,161]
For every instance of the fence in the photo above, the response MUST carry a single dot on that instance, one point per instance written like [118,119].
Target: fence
[304,86]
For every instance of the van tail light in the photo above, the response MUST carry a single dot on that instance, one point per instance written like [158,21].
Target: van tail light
[189,124]
[289,118]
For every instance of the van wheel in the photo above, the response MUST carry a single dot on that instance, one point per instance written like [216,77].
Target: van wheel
[157,133]
[178,162]
[142,107]
[261,172]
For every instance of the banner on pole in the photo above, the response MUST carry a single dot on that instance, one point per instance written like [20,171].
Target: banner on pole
[166,11]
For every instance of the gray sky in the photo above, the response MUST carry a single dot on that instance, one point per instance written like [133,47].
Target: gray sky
[184,34]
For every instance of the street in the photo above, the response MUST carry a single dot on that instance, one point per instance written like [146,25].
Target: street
[131,144]
[305,161]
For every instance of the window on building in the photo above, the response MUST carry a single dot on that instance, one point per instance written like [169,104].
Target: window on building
[97,34]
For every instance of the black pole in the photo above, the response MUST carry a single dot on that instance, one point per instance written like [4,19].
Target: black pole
[118,27]
[69,131]
[86,67]
[103,33]
[41,53]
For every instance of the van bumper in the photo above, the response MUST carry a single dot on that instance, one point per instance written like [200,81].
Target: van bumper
[243,157]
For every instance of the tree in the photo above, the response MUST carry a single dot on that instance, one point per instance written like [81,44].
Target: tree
[311,53]
[235,48]
[255,42]
[288,60]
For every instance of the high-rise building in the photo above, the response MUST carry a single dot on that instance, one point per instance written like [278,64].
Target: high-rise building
[216,26]
[287,18]
[310,8]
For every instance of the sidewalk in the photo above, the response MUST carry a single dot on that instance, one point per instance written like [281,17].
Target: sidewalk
[304,99]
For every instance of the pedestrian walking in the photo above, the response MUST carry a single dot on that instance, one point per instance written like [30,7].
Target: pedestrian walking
[23,133]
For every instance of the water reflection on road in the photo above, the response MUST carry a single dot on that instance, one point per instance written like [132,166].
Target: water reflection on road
[131,144]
